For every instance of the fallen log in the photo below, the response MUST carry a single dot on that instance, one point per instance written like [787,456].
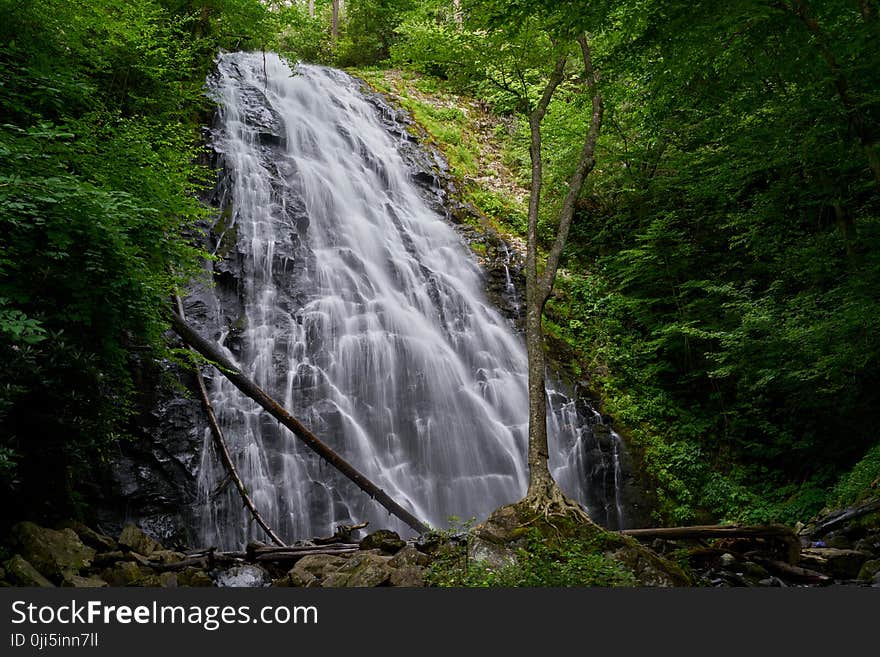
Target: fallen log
[836,521]
[225,456]
[790,572]
[299,554]
[712,531]
[228,369]
[308,549]
[780,533]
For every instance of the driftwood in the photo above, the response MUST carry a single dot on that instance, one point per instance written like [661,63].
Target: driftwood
[225,456]
[210,351]
[295,555]
[856,512]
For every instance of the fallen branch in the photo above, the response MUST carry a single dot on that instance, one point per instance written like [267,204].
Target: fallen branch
[796,573]
[299,554]
[225,456]
[210,351]
[857,512]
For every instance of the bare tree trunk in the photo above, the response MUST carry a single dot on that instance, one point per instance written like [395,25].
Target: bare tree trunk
[312,8]
[334,21]
[228,369]
[543,491]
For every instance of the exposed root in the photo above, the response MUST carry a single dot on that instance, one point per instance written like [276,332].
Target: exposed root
[549,501]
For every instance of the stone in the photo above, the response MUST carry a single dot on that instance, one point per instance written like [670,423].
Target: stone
[194,577]
[80,582]
[409,556]
[313,568]
[126,573]
[167,556]
[54,553]
[243,576]
[168,580]
[21,573]
[840,564]
[869,569]
[96,540]
[133,538]
[384,540]
[728,560]
[411,576]
[365,569]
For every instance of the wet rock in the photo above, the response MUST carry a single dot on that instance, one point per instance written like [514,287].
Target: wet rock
[243,576]
[21,573]
[384,540]
[54,553]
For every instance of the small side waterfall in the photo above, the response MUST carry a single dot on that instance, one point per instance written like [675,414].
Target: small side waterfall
[360,309]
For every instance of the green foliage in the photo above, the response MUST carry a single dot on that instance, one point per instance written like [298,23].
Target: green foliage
[539,563]
[860,483]
[101,104]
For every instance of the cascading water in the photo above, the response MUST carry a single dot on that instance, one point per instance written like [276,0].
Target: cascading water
[363,312]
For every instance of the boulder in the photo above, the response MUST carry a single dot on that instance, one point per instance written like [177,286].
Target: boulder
[194,577]
[384,540]
[21,573]
[96,540]
[79,582]
[127,573]
[840,564]
[168,580]
[365,569]
[409,556]
[313,568]
[54,553]
[869,570]
[133,538]
[411,576]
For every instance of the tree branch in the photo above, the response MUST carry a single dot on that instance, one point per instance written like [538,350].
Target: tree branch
[585,165]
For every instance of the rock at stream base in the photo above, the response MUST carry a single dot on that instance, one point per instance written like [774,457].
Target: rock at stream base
[54,553]
[841,564]
[133,538]
[362,570]
[384,540]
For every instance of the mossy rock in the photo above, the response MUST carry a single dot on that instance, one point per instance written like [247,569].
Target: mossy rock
[384,540]
[511,528]
[20,572]
[54,553]
[133,538]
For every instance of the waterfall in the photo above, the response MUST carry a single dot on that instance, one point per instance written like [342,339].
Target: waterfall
[363,311]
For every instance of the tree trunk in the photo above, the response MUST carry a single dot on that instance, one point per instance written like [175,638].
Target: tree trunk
[228,369]
[312,8]
[543,491]
[334,21]
[456,13]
